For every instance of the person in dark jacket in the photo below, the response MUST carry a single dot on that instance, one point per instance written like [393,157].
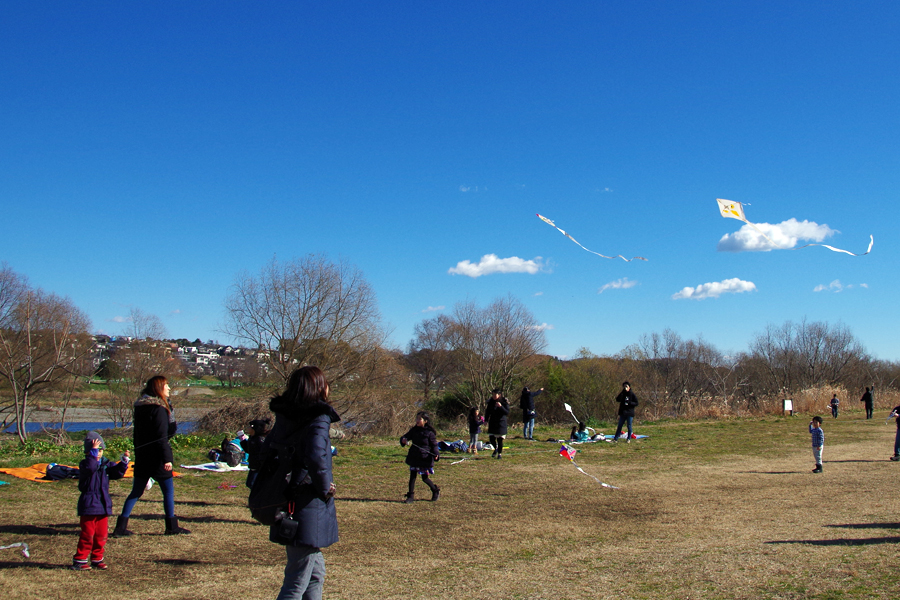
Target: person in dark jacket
[303,421]
[423,452]
[154,426]
[259,429]
[526,403]
[496,416]
[627,402]
[94,503]
[868,399]
[896,413]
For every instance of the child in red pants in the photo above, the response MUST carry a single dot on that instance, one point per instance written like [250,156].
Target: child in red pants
[94,504]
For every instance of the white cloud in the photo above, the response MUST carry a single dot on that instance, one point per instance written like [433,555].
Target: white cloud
[539,293]
[836,286]
[472,188]
[177,311]
[786,234]
[119,320]
[618,284]
[434,308]
[491,263]
[715,289]
[543,327]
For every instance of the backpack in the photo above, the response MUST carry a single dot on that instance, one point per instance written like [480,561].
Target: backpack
[269,494]
[231,453]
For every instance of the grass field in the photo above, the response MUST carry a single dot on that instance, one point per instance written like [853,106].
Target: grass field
[713,509]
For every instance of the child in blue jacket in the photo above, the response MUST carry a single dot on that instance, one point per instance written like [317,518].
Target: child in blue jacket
[95,504]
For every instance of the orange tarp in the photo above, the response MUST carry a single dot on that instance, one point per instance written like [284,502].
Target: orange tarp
[38,471]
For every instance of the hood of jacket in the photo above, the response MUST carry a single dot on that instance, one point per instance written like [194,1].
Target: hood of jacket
[302,414]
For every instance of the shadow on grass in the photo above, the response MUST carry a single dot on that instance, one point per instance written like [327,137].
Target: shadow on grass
[158,517]
[770,472]
[842,542]
[180,562]
[53,529]
[29,564]
[854,461]
[383,500]
[867,526]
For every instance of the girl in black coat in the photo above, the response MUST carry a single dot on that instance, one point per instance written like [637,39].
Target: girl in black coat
[154,426]
[496,415]
[423,453]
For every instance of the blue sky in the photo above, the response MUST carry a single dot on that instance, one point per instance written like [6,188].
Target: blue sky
[152,151]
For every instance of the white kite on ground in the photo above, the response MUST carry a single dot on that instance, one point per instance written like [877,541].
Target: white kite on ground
[735,210]
[21,545]
[552,224]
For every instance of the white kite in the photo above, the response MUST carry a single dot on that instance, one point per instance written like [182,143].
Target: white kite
[735,210]
[21,545]
[551,223]
[569,408]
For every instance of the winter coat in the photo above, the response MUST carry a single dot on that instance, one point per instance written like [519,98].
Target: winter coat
[306,429]
[868,399]
[475,424]
[93,483]
[253,447]
[496,415]
[627,401]
[526,403]
[154,426]
[897,411]
[423,447]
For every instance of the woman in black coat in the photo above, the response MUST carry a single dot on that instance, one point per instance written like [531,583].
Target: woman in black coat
[154,426]
[423,452]
[303,421]
[496,415]
[627,401]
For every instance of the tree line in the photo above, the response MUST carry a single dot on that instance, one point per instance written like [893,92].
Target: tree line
[312,310]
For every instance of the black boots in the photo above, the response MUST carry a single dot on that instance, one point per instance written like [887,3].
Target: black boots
[172,527]
[121,529]
[435,493]
[410,498]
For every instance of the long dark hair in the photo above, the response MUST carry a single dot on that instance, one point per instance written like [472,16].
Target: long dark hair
[156,387]
[427,418]
[525,393]
[306,386]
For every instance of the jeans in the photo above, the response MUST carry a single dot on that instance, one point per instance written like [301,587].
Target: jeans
[834,411]
[817,454]
[622,420]
[897,443]
[528,430]
[167,486]
[304,574]
[473,440]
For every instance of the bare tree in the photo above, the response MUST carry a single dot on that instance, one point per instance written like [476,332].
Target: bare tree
[42,338]
[308,311]
[430,355]
[493,343]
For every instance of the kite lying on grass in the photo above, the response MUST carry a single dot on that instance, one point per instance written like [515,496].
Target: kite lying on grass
[551,223]
[21,545]
[735,210]
[569,453]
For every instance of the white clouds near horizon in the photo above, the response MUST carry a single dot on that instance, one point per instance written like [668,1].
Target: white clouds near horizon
[491,263]
[543,327]
[434,308]
[715,289]
[786,234]
[836,286]
[619,284]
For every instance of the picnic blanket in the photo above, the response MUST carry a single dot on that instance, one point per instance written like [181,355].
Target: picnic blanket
[38,471]
[217,467]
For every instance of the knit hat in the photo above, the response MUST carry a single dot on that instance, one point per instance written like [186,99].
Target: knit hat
[89,441]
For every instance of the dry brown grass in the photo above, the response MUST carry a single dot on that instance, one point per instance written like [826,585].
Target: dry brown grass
[705,510]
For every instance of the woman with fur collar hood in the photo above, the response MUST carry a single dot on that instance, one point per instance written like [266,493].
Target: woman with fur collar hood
[303,421]
[154,426]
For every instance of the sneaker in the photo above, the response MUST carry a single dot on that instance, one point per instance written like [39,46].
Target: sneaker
[149,485]
[99,564]
[499,456]
[818,469]
[895,457]
[80,565]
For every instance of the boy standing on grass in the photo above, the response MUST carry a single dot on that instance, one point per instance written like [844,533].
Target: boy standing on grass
[95,504]
[818,441]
